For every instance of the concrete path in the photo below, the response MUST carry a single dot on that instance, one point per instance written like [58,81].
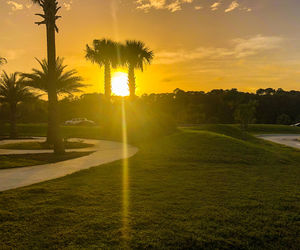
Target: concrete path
[103,152]
[290,140]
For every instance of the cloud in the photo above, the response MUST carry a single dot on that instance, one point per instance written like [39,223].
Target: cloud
[247,47]
[68,5]
[240,48]
[15,6]
[215,6]
[171,5]
[198,7]
[232,6]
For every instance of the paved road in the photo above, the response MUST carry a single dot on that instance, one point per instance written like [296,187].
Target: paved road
[103,152]
[285,139]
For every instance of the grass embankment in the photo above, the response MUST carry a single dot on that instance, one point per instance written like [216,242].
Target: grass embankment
[212,188]
[17,161]
[43,145]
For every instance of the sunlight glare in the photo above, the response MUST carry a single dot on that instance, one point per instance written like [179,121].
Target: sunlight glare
[119,84]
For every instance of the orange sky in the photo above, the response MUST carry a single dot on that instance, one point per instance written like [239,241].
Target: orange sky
[199,44]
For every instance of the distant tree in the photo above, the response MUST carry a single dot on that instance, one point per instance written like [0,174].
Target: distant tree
[104,53]
[67,82]
[49,17]
[135,55]
[284,119]
[245,113]
[12,92]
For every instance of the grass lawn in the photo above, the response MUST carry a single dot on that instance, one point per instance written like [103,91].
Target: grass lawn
[212,188]
[17,161]
[43,145]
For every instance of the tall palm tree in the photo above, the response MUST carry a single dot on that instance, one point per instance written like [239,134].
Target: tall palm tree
[50,9]
[12,92]
[67,82]
[135,55]
[104,53]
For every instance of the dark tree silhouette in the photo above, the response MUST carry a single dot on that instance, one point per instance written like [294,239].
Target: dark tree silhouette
[135,55]
[67,82]
[104,53]
[50,10]
[12,92]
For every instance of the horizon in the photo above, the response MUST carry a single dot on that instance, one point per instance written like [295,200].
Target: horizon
[247,45]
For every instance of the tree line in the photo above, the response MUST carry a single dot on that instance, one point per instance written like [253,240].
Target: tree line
[267,106]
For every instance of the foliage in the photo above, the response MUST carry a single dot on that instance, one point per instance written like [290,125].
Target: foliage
[12,89]
[245,113]
[67,82]
[283,119]
[12,92]
[103,52]
[136,54]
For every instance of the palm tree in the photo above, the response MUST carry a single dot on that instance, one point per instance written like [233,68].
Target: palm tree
[104,53]
[67,82]
[50,10]
[12,92]
[135,54]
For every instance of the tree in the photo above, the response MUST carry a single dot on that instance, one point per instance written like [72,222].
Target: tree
[67,82]
[104,53]
[245,113]
[135,55]
[12,92]
[50,10]
[284,119]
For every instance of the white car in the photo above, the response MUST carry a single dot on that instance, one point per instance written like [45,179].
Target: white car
[296,125]
[79,121]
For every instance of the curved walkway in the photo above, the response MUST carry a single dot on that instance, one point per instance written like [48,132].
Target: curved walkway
[291,140]
[103,152]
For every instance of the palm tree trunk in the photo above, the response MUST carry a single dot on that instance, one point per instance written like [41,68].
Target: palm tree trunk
[13,121]
[107,81]
[54,133]
[131,81]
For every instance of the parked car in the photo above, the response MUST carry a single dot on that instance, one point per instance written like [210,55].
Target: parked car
[79,121]
[296,125]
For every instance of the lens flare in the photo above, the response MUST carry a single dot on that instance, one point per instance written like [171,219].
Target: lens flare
[125,179]
[119,84]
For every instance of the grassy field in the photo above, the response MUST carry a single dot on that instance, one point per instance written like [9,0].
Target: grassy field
[17,161]
[43,145]
[215,187]
[88,132]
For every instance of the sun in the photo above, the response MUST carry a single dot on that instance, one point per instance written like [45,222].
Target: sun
[119,84]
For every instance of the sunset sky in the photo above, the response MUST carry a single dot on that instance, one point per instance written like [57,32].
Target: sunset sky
[198,44]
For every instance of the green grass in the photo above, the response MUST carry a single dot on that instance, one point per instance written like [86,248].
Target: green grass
[215,188]
[43,145]
[17,161]
[253,128]
[29,130]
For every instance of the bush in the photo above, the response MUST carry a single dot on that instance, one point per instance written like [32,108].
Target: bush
[284,119]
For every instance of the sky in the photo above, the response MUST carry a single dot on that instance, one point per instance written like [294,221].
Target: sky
[199,45]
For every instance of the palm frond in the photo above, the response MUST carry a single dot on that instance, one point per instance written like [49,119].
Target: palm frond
[136,54]
[67,82]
